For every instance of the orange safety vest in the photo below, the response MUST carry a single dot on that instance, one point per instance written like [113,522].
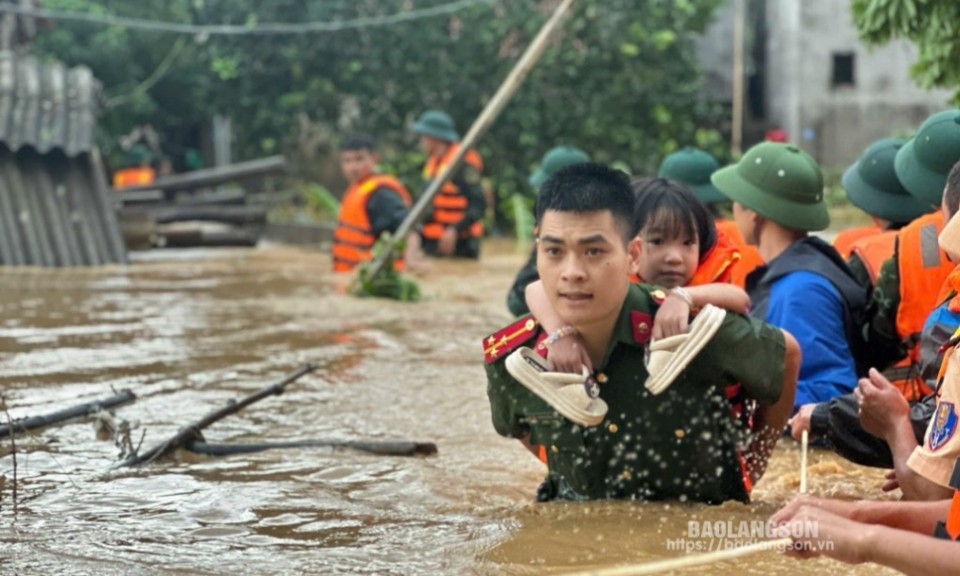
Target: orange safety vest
[874,250]
[923,268]
[715,268]
[718,264]
[749,256]
[353,238]
[449,204]
[949,529]
[845,240]
[133,176]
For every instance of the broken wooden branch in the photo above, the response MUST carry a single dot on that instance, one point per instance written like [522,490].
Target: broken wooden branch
[192,432]
[379,447]
[22,425]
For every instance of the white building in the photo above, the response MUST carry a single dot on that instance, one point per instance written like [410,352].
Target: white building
[808,72]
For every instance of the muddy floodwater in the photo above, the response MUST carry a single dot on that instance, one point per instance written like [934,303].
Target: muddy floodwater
[189,331]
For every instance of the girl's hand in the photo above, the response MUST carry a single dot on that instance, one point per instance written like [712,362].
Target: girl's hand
[672,318]
[568,355]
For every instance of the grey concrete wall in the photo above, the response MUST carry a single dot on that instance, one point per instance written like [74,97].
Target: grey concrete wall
[837,123]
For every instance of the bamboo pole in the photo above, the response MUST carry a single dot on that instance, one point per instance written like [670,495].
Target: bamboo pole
[804,444]
[686,561]
[191,432]
[479,127]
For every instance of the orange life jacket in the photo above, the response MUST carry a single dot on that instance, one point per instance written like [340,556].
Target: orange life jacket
[749,257]
[718,264]
[923,269]
[949,529]
[449,204]
[845,240]
[353,238]
[874,250]
[716,267]
[133,176]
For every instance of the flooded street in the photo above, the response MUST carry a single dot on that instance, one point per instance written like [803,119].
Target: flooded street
[188,331]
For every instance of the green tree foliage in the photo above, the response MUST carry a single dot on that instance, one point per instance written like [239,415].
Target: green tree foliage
[933,25]
[621,81]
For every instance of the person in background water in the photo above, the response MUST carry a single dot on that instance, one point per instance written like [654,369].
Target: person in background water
[137,169]
[556,158]
[872,185]
[805,287]
[693,167]
[454,227]
[373,204]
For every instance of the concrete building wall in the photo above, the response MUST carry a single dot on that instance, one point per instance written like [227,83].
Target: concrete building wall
[836,123]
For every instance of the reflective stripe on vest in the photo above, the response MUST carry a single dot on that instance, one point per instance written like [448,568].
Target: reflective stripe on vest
[874,250]
[923,268]
[845,240]
[749,257]
[353,238]
[449,204]
[950,528]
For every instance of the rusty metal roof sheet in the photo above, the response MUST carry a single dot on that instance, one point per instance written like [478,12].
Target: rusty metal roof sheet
[47,106]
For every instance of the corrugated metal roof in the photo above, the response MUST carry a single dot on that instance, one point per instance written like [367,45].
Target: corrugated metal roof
[55,211]
[46,106]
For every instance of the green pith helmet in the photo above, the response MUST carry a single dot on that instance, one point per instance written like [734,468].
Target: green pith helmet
[922,164]
[779,182]
[693,167]
[438,124]
[872,184]
[555,159]
[137,155]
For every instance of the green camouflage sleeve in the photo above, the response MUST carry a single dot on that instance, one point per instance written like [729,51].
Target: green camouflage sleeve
[880,330]
[741,338]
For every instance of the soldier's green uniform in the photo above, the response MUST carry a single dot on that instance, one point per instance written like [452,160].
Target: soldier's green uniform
[682,444]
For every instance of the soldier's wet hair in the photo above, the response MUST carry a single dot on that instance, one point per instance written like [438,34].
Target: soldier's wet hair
[951,193]
[359,141]
[590,187]
[669,208]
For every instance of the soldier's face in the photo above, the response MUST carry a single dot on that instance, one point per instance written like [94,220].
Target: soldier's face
[584,266]
[357,164]
[432,145]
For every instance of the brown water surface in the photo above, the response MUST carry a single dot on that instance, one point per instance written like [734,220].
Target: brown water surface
[188,331]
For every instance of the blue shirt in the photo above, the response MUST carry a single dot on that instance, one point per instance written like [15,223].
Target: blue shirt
[809,307]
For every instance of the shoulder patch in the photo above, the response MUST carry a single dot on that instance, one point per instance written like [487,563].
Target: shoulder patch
[642,324]
[944,425]
[498,344]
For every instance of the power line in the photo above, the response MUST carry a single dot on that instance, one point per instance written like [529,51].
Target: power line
[241,30]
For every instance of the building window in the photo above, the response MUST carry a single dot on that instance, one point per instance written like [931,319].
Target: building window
[843,69]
